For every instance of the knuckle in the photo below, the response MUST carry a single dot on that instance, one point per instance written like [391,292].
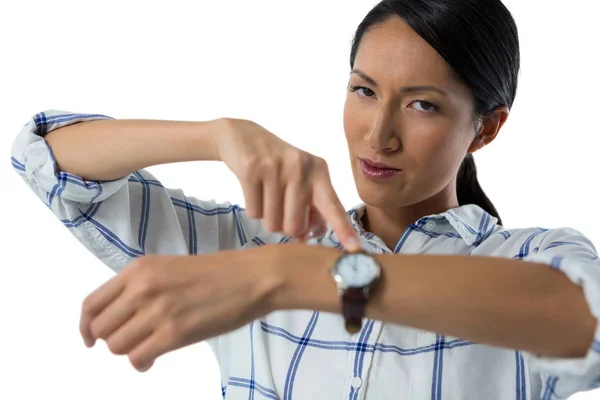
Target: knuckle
[87,306]
[272,226]
[115,347]
[139,264]
[146,275]
[137,362]
[321,164]
[164,305]
[299,164]
[295,156]
[253,163]
[253,212]
[295,225]
[294,228]
[144,286]
[95,331]
[269,165]
[254,168]
[172,330]
[99,331]
[251,167]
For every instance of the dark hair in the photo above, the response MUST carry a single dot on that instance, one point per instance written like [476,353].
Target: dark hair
[478,39]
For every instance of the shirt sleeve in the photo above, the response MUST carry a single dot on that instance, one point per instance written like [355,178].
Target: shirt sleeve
[570,252]
[122,219]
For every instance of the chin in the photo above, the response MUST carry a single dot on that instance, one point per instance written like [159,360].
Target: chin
[379,196]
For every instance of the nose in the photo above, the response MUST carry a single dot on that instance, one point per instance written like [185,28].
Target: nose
[383,136]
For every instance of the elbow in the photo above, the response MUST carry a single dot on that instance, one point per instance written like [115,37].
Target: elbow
[585,339]
[573,324]
[577,337]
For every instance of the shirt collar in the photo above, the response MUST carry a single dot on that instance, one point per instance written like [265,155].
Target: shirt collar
[470,222]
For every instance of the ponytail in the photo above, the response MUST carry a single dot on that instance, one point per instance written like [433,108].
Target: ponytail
[468,189]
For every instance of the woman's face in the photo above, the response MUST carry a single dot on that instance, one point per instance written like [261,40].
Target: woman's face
[404,108]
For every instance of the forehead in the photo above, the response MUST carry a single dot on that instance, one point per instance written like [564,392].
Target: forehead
[392,53]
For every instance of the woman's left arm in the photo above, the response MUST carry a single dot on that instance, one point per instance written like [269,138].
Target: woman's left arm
[547,307]
[496,301]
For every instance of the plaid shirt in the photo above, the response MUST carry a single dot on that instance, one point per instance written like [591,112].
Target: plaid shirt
[304,354]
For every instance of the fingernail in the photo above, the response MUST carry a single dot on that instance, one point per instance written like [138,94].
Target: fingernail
[353,244]
[89,342]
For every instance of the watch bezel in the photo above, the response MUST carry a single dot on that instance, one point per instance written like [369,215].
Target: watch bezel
[342,285]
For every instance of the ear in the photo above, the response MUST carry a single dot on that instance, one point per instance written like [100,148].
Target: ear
[488,129]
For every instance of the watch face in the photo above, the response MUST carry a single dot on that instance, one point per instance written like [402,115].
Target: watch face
[357,270]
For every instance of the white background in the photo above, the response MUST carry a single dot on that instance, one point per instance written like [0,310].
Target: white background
[284,65]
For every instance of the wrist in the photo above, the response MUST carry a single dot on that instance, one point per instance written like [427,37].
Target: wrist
[223,137]
[303,278]
[206,138]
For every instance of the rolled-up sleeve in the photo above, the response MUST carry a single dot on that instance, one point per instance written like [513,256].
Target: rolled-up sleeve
[570,252]
[128,217]
[33,158]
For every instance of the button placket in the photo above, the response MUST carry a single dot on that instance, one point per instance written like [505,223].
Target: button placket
[358,382]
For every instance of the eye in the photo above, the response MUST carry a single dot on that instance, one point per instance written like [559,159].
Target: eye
[362,91]
[425,106]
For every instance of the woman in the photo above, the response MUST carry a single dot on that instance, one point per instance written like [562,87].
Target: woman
[447,293]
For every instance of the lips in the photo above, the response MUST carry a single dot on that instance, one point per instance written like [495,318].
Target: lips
[376,170]
[378,165]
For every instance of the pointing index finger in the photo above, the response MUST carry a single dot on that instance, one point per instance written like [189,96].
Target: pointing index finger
[329,205]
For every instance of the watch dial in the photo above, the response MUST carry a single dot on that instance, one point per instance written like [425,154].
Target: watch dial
[357,270]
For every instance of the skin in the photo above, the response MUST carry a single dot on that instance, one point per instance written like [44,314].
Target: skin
[387,122]
[161,303]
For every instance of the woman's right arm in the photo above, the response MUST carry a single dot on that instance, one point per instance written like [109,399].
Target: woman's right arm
[109,149]
[89,170]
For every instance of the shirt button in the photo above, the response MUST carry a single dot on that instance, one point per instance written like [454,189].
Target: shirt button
[430,225]
[356,382]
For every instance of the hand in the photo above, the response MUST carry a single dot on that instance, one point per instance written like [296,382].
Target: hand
[288,188]
[162,303]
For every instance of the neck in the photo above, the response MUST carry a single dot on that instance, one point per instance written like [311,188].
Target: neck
[390,223]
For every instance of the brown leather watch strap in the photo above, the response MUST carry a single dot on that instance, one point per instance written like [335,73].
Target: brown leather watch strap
[353,308]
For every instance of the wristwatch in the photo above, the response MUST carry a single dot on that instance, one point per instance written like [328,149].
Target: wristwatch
[356,275]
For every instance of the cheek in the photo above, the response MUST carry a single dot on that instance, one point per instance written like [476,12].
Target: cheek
[436,151]
[352,125]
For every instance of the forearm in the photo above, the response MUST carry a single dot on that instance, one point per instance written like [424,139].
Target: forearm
[111,149]
[495,301]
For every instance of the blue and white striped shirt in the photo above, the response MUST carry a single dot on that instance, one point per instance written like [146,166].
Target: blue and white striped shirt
[308,354]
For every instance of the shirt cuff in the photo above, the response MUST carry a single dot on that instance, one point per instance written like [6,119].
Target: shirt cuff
[33,157]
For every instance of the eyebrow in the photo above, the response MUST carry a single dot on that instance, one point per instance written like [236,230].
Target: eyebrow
[404,89]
